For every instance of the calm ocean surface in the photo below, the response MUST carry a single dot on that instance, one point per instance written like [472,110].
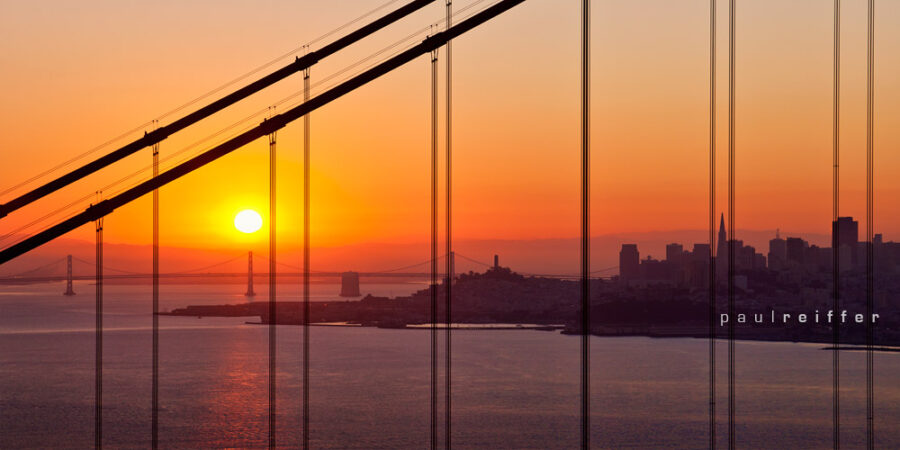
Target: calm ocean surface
[370,387]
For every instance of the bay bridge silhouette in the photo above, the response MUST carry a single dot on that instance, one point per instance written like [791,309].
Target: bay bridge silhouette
[440,35]
[268,128]
[53,272]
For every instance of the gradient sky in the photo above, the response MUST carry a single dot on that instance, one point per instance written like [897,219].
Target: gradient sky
[77,74]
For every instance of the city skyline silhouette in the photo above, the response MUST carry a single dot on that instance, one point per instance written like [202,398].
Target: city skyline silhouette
[416,178]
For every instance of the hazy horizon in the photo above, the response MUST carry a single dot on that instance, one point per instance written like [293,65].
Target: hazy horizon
[577,128]
[95,70]
[550,255]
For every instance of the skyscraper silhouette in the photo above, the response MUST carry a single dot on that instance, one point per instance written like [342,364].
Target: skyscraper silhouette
[777,252]
[845,238]
[722,251]
[629,262]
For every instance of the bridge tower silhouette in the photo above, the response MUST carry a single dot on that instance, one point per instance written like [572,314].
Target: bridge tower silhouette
[95,212]
[69,291]
[250,292]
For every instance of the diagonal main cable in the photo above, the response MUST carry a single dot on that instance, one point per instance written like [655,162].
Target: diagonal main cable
[161,133]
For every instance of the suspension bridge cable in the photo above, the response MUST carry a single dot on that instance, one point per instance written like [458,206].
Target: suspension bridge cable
[712,224]
[835,241]
[37,269]
[306,259]
[271,62]
[111,269]
[98,339]
[398,43]
[346,25]
[43,218]
[870,227]
[173,155]
[161,133]
[449,249]
[138,172]
[434,243]
[154,388]
[277,262]
[229,127]
[474,261]
[118,182]
[232,126]
[273,309]
[209,93]
[244,120]
[277,122]
[585,223]
[731,237]
[200,269]
[74,203]
[201,97]
[73,159]
[397,269]
[134,174]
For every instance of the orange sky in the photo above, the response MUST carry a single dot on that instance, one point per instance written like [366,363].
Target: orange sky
[76,75]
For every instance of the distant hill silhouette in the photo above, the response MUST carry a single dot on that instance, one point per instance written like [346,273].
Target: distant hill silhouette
[544,256]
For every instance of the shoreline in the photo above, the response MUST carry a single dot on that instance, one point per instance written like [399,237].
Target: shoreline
[670,334]
[440,326]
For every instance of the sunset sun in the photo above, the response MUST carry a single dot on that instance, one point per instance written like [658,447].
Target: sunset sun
[248,221]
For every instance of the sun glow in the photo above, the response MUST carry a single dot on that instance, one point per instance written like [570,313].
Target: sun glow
[248,221]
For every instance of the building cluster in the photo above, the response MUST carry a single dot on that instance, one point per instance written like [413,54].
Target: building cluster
[680,267]
[791,255]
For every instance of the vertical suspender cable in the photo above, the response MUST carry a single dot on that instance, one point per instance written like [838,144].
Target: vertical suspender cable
[98,339]
[155,376]
[835,242]
[870,229]
[278,121]
[434,262]
[306,174]
[585,225]
[272,305]
[731,236]
[449,249]
[214,107]
[712,223]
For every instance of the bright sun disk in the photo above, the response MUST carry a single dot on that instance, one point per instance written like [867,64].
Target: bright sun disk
[248,221]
